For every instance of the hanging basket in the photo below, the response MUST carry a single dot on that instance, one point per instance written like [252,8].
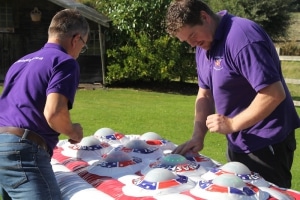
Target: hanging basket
[35,15]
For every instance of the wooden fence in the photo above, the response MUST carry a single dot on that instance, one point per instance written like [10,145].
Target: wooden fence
[289,80]
[296,82]
[289,58]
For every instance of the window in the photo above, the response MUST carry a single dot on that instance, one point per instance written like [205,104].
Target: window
[6,17]
[93,43]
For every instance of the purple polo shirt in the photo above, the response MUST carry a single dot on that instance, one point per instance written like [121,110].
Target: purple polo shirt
[242,61]
[27,84]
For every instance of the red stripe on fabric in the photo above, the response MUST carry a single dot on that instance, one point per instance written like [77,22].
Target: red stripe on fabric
[167,184]
[290,193]
[75,165]
[58,156]
[93,179]
[188,193]
[113,188]
[154,142]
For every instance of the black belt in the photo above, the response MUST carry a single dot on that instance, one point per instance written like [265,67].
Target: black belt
[26,134]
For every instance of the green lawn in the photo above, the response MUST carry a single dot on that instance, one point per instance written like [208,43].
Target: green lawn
[290,69]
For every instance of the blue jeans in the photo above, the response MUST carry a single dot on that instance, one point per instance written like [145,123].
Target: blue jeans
[25,170]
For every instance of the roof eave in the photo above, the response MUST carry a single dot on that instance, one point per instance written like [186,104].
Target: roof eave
[86,11]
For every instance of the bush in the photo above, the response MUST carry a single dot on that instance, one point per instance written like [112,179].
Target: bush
[290,49]
[161,59]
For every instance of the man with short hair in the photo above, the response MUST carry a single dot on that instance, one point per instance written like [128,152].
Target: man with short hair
[242,93]
[39,91]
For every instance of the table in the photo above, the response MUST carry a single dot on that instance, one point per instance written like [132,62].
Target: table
[110,165]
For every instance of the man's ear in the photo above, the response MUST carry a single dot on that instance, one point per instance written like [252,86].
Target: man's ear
[75,39]
[203,16]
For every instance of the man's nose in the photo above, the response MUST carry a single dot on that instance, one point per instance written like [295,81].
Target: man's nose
[191,42]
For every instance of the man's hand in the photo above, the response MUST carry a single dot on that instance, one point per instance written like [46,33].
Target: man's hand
[194,145]
[77,134]
[219,123]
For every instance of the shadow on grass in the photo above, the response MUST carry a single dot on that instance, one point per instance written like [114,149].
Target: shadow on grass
[296,98]
[174,87]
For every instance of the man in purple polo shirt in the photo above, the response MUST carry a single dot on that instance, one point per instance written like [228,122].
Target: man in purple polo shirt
[242,92]
[38,93]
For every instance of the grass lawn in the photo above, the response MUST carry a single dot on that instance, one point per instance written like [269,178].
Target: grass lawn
[292,70]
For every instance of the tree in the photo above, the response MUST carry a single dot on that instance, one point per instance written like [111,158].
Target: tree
[295,6]
[273,15]
[139,48]
[135,16]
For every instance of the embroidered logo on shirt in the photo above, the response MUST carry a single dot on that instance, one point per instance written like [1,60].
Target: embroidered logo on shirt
[217,63]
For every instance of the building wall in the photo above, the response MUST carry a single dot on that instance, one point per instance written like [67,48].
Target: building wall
[28,36]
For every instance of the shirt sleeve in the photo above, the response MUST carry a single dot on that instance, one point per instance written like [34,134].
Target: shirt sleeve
[255,63]
[64,80]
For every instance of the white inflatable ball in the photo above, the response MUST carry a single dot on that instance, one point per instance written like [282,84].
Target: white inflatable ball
[102,132]
[89,141]
[136,144]
[235,168]
[229,180]
[159,175]
[150,136]
[116,156]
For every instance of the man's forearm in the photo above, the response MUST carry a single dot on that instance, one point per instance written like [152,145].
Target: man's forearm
[261,107]
[204,106]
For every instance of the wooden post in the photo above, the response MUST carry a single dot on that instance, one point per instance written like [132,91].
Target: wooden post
[102,55]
